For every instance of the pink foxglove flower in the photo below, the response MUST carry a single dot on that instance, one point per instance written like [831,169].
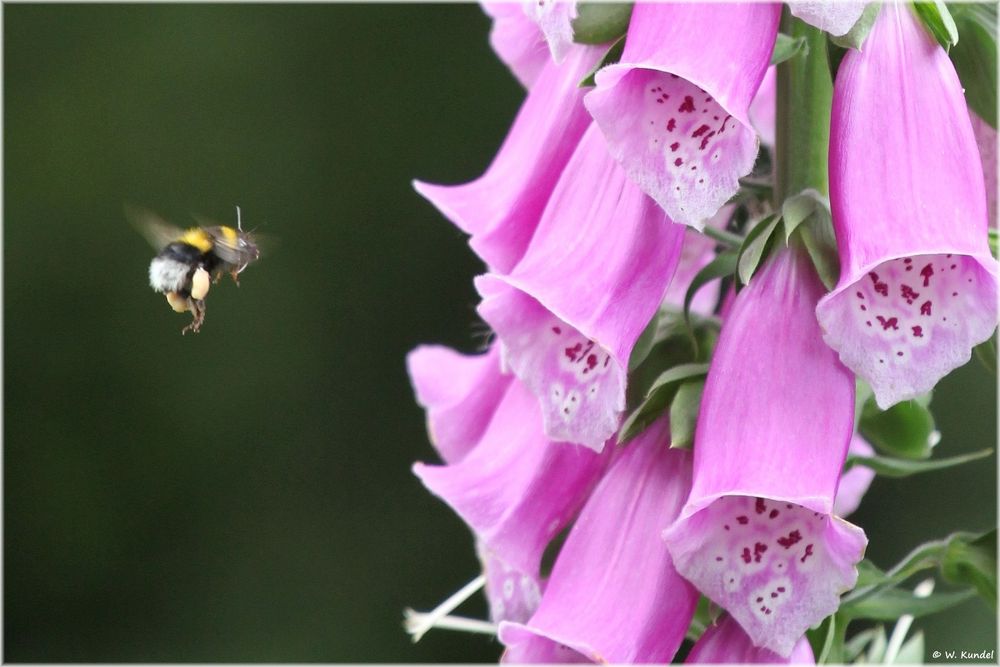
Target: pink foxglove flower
[763,109]
[517,40]
[757,535]
[614,595]
[675,108]
[986,139]
[459,392]
[918,286]
[555,20]
[725,643]
[501,208]
[516,489]
[855,482]
[513,595]
[836,17]
[569,314]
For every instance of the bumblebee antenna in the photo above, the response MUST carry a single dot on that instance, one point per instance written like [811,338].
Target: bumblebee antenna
[239,222]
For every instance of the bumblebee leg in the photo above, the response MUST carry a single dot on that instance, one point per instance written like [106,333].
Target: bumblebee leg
[198,311]
[234,273]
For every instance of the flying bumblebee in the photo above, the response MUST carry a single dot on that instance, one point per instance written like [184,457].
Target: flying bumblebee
[188,261]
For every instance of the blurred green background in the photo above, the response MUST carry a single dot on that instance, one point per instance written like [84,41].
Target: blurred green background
[244,494]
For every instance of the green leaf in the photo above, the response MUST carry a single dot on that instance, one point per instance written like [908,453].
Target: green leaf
[987,354]
[905,430]
[975,58]
[938,20]
[868,574]
[610,57]
[723,265]
[786,47]
[857,644]
[828,640]
[754,248]
[890,467]
[600,22]
[704,615]
[891,603]
[816,234]
[800,206]
[973,563]
[644,343]
[856,36]
[658,398]
[684,414]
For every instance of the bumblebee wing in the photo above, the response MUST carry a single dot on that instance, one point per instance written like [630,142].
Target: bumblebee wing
[153,228]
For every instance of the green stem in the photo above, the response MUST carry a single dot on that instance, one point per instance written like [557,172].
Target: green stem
[802,116]
[723,237]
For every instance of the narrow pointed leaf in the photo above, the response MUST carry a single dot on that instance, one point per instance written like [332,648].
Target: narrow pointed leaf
[937,19]
[973,563]
[684,414]
[891,467]
[723,265]
[658,398]
[610,57]
[754,247]
[644,344]
[890,604]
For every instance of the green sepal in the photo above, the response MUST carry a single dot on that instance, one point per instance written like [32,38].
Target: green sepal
[705,613]
[855,37]
[938,20]
[754,248]
[600,22]
[986,352]
[644,343]
[786,48]
[808,213]
[610,57]
[891,603]
[868,574]
[973,563]
[723,265]
[975,57]
[684,414]
[891,467]
[993,239]
[828,639]
[906,430]
[658,398]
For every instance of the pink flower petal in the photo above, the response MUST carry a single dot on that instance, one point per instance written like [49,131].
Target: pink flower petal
[502,207]
[756,535]
[555,19]
[460,393]
[613,595]
[675,108]
[764,107]
[855,482]
[836,17]
[986,140]
[517,40]
[725,643]
[513,595]
[569,314]
[516,489]
[918,287]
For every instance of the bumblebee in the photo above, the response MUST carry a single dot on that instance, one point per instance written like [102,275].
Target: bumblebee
[188,261]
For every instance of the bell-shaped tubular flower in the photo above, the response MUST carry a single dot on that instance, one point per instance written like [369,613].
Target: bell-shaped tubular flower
[855,482]
[613,595]
[986,139]
[555,19]
[763,109]
[459,392]
[675,108]
[516,489]
[836,17]
[756,535]
[918,286]
[569,314]
[725,643]
[501,208]
[517,41]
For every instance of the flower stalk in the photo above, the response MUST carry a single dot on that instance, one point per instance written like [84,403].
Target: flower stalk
[804,96]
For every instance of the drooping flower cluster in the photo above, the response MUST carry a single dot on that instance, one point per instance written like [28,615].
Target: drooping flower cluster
[589,221]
